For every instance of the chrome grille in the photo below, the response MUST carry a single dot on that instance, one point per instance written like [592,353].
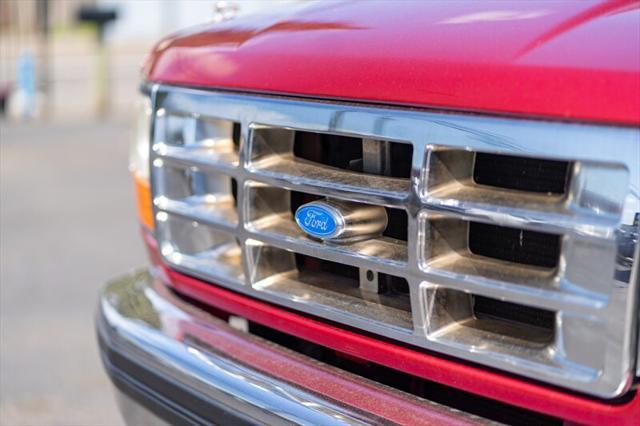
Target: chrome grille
[224,173]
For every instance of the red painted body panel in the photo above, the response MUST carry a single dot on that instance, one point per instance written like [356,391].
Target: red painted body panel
[577,60]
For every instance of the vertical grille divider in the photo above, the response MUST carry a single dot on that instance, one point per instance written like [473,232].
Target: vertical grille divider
[420,320]
[245,155]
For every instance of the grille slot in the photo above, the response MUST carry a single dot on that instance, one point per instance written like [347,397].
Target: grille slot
[537,176]
[195,139]
[514,245]
[274,154]
[488,251]
[195,245]
[191,191]
[334,285]
[194,131]
[463,317]
[392,291]
[271,214]
[521,173]
[505,248]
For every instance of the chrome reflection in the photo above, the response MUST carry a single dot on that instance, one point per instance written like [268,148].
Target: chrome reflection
[145,327]
[140,319]
[592,291]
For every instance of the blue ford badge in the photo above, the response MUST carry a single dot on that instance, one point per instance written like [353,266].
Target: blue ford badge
[319,220]
[341,221]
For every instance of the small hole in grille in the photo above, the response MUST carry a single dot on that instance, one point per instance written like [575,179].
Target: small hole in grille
[514,245]
[521,173]
[344,152]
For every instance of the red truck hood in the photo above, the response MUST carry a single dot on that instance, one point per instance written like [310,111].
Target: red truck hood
[576,60]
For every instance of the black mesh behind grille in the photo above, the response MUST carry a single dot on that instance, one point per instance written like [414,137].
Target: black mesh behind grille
[514,245]
[521,173]
[300,198]
[331,150]
[346,274]
[390,284]
[344,278]
[234,191]
[401,157]
[492,308]
[236,136]
[398,224]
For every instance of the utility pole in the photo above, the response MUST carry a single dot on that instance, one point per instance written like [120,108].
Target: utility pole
[100,17]
[44,71]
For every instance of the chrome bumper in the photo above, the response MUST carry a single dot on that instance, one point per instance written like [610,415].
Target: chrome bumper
[181,364]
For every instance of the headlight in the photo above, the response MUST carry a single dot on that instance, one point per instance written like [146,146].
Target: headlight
[139,154]
[139,160]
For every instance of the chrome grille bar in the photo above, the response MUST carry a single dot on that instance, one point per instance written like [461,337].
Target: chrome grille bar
[250,246]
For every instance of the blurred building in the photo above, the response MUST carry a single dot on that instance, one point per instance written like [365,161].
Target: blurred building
[22,15]
[65,52]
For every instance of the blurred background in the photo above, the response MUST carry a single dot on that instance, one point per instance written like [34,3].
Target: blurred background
[69,73]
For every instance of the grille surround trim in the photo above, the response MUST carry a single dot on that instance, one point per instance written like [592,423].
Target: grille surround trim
[507,136]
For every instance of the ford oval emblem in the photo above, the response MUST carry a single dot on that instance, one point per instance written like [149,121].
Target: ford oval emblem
[320,220]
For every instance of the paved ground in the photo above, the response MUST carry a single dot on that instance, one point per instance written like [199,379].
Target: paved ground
[67,224]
